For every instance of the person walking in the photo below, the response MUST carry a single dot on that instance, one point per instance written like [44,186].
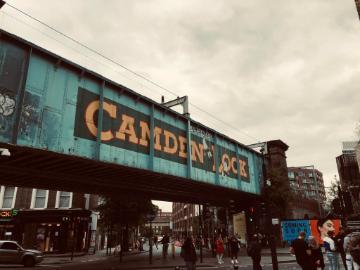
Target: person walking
[234,244]
[219,249]
[317,258]
[339,243]
[354,248]
[254,251]
[165,243]
[331,252]
[155,239]
[349,260]
[188,253]
[302,252]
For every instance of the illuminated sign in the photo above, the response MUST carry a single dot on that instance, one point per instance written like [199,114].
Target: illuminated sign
[6,214]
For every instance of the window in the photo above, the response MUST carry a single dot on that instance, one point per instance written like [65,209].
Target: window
[291,175]
[39,198]
[8,195]
[63,199]
[9,245]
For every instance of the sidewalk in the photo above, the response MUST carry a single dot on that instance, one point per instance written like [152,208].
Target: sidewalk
[140,260]
[81,257]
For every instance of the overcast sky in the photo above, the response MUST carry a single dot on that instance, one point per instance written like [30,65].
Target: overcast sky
[284,70]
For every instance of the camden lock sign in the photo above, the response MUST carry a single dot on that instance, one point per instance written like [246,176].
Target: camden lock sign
[129,129]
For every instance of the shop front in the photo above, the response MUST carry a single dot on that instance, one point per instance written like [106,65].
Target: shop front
[7,227]
[51,231]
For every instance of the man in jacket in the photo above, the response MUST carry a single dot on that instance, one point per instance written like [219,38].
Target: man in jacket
[254,251]
[302,252]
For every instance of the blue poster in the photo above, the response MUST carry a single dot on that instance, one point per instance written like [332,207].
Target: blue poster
[291,228]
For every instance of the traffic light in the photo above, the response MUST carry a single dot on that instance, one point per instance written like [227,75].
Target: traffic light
[251,214]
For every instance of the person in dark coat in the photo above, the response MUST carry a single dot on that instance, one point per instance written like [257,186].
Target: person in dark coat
[339,243]
[254,251]
[188,253]
[234,244]
[316,256]
[302,252]
[165,242]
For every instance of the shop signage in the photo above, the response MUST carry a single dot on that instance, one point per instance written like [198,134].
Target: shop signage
[8,214]
[127,128]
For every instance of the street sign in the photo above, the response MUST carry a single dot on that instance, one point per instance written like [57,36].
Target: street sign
[275,221]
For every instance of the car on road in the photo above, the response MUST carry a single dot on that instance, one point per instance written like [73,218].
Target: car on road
[12,253]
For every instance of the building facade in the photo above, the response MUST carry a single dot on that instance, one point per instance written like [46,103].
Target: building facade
[349,172]
[185,218]
[47,220]
[161,223]
[307,182]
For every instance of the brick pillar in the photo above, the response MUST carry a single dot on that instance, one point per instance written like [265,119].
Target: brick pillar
[276,162]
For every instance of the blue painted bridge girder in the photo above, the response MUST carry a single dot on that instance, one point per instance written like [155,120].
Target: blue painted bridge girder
[60,119]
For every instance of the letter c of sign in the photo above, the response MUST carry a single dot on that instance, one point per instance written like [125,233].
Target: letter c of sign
[90,122]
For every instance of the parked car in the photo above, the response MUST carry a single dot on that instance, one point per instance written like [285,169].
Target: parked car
[12,253]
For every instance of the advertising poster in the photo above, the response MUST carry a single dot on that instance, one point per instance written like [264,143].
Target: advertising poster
[325,225]
[291,228]
[240,226]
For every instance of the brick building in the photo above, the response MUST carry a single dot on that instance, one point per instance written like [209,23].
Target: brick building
[349,172]
[185,218]
[48,220]
[162,223]
[308,183]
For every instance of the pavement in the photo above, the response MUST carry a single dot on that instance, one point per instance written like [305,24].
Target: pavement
[140,260]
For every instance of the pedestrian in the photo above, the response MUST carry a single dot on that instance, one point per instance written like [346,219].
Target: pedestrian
[219,249]
[165,243]
[254,251]
[331,252]
[302,252]
[155,241]
[234,244]
[339,243]
[317,258]
[349,260]
[354,248]
[188,253]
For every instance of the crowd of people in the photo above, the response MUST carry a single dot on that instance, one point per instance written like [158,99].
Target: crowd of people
[345,246]
[309,250]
